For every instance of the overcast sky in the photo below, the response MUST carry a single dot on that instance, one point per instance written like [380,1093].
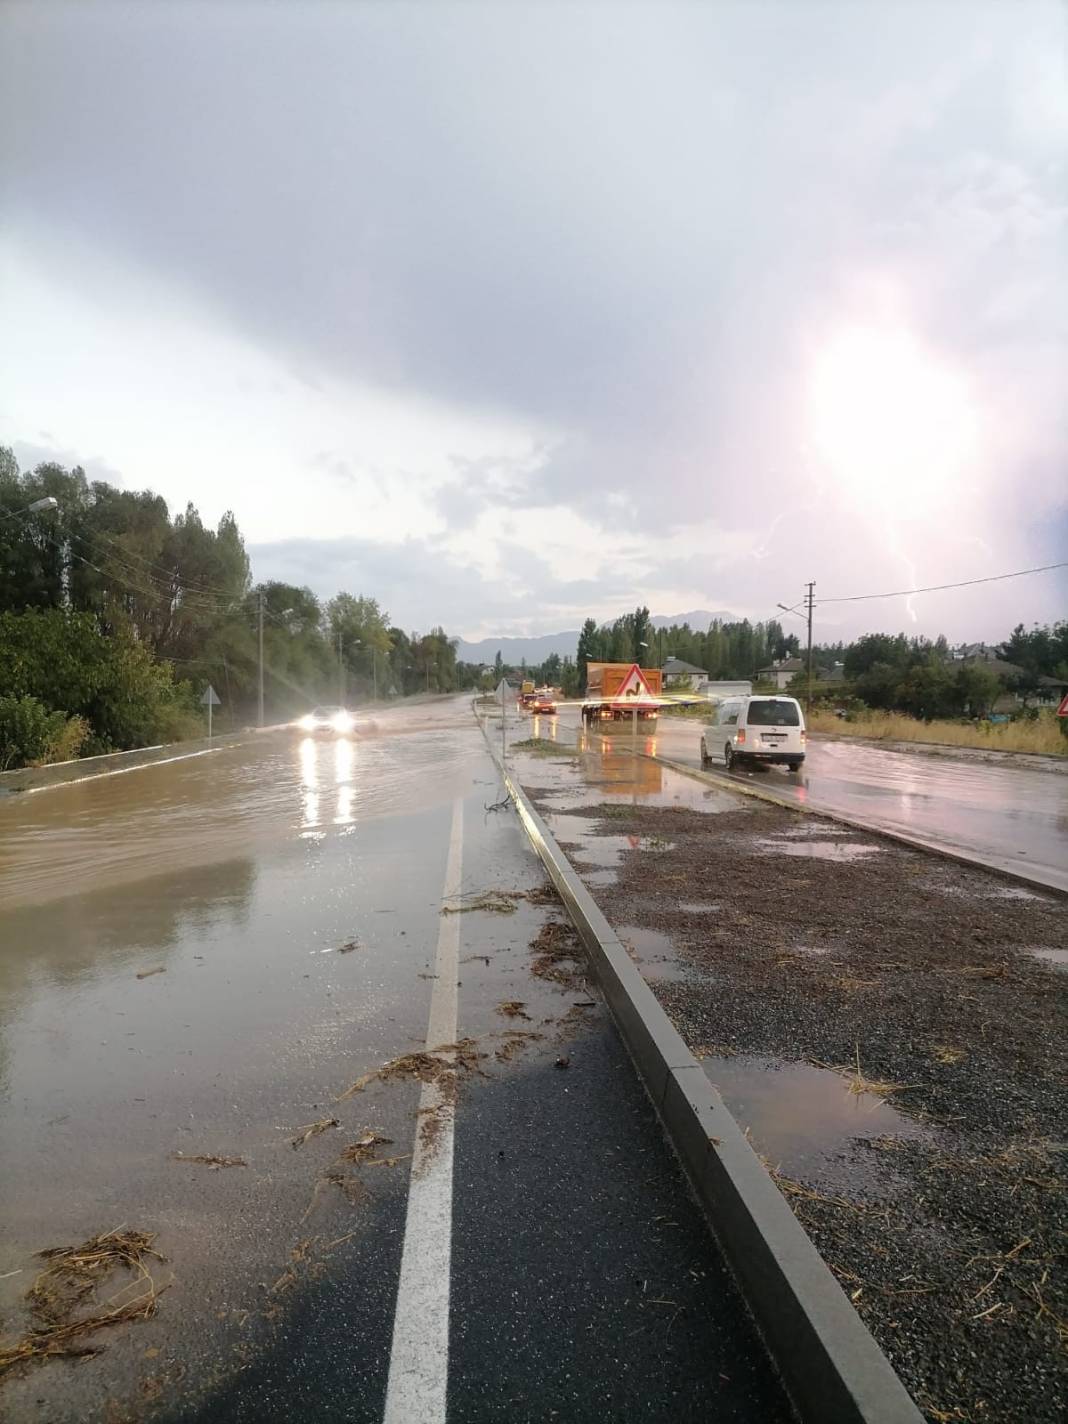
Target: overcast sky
[509,314]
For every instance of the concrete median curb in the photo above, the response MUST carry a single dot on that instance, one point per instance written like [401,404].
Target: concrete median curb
[831,1366]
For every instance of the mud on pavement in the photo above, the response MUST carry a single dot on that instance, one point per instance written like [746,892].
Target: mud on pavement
[892,1030]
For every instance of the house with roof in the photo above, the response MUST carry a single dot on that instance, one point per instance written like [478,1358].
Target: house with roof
[781,671]
[680,674]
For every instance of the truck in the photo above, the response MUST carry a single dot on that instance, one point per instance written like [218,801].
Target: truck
[617,692]
[526,696]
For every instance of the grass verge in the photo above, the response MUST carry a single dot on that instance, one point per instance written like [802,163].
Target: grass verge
[1043,736]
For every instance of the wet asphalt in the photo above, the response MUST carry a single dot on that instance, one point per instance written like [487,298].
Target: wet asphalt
[584,1284]
[1014,816]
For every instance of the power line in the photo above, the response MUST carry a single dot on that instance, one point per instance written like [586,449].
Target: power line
[938,587]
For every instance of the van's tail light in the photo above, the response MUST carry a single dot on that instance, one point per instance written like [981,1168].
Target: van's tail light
[802,738]
[740,738]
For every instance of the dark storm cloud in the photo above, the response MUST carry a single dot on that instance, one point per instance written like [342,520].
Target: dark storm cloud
[617,223]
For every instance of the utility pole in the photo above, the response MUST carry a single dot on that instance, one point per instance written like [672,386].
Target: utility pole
[808,603]
[374,669]
[260,601]
[340,673]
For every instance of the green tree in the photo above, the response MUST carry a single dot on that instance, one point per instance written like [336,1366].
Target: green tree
[587,650]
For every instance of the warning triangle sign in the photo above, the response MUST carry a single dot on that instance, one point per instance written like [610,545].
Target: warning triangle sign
[634,689]
[1062,710]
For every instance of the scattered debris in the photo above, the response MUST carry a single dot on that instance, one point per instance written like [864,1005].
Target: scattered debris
[148,973]
[515,1039]
[858,1083]
[945,1054]
[363,1149]
[564,1061]
[473,958]
[210,1160]
[558,953]
[351,1188]
[500,805]
[69,1281]
[297,1256]
[543,895]
[348,946]
[496,902]
[434,1065]
[313,1130]
[513,1009]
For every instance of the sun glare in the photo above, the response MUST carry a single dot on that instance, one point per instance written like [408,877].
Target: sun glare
[895,428]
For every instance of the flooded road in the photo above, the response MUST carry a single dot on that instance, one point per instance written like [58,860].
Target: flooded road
[197,959]
[1007,816]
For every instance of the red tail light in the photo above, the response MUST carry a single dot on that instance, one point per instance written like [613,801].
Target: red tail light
[740,738]
[802,739]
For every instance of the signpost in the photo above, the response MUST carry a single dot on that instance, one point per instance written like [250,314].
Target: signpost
[210,699]
[503,692]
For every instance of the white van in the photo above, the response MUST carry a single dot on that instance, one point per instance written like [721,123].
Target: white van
[752,729]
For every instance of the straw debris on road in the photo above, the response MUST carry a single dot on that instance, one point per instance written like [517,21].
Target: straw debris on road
[64,1300]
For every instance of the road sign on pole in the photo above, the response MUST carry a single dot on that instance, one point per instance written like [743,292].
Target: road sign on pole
[503,690]
[210,698]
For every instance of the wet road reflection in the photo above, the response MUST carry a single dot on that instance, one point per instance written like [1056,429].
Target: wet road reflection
[1008,814]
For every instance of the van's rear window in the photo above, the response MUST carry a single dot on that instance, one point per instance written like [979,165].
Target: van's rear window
[768,713]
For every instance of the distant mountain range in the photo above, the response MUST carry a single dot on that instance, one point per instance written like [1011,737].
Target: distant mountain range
[536,650]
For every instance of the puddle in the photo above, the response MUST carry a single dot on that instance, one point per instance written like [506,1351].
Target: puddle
[800,1115]
[621,777]
[811,951]
[692,907]
[601,877]
[998,892]
[820,850]
[1059,957]
[652,950]
[800,832]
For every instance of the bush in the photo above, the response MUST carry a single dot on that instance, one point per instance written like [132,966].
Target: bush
[30,735]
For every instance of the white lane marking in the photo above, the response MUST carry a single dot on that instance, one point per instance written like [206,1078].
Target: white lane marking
[419,1360]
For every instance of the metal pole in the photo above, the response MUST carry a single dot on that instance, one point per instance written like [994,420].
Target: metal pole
[374,670]
[209,719]
[808,600]
[340,673]
[261,656]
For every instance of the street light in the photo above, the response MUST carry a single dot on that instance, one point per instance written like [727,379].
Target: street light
[37,507]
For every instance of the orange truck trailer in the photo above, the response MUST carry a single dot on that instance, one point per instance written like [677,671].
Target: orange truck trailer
[615,692]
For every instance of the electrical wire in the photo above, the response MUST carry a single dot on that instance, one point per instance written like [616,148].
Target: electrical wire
[938,587]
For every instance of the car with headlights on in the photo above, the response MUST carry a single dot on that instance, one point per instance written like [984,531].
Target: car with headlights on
[328,722]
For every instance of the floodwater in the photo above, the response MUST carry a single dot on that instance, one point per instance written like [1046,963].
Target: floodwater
[1010,815]
[165,987]
[172,986]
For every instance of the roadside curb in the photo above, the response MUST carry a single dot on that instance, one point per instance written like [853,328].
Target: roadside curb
[831,1366]
[710,778]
